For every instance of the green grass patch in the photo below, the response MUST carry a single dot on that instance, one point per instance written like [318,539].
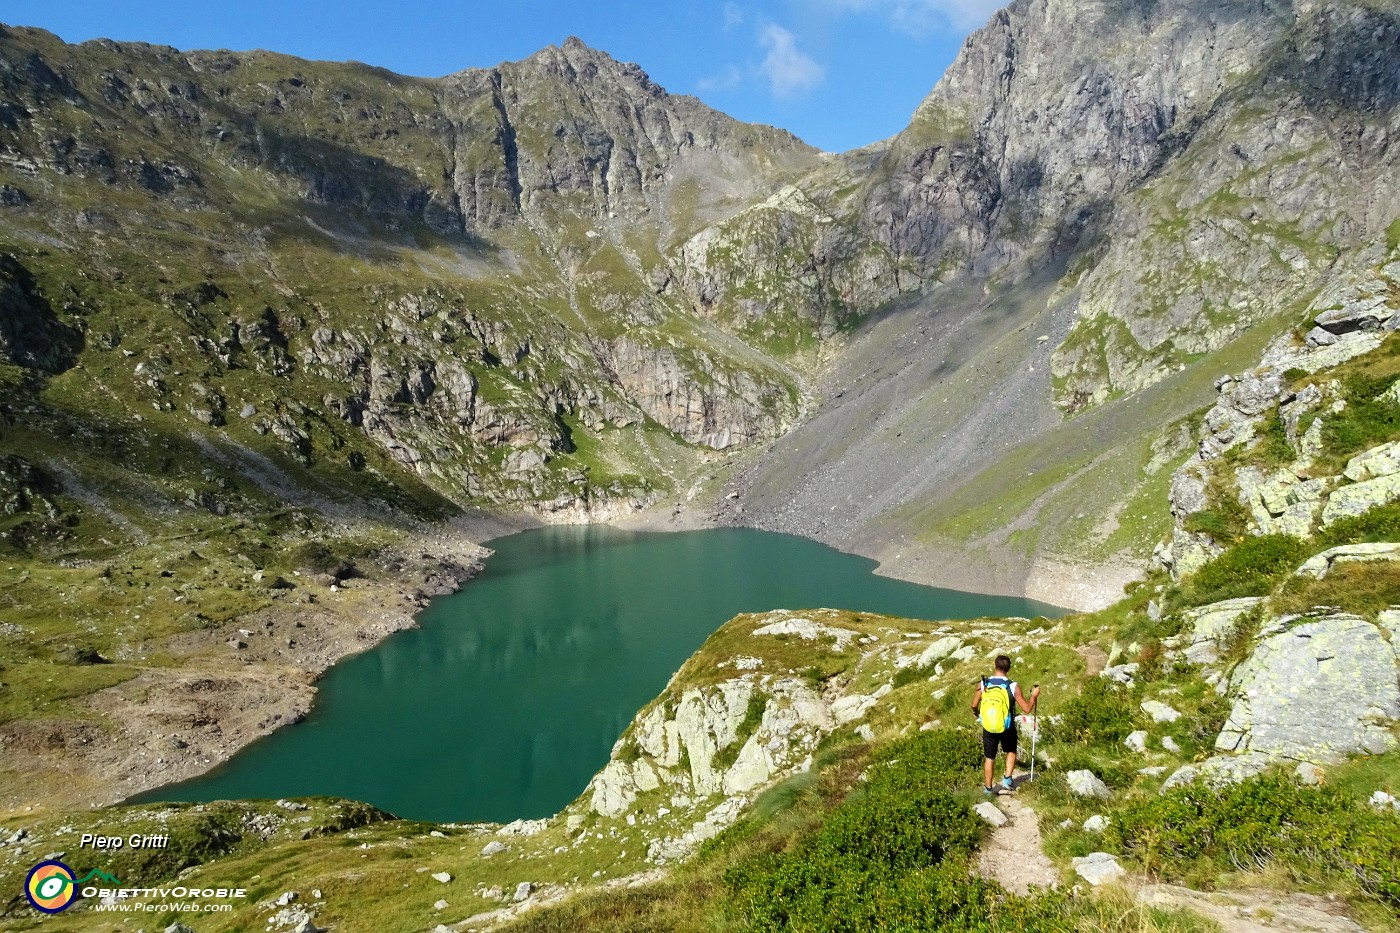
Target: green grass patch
[1362,588]
[1249,568]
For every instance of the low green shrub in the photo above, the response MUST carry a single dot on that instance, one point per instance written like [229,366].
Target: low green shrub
[841,876]
[1368,419]
[1379,524]
[881,853]
[912,675]
[1270,821]
[1249,568]
[1101,714]
[944,757]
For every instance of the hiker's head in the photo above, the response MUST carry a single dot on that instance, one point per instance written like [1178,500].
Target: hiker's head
[1003,664]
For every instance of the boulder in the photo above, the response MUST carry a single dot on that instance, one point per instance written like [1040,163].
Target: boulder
[1137,741]
[1383,801]
[1389,620]
[1215,621]
[440,905]
[1369,314]
[1096,823]
[1086,784]
[1319,565]
[1308,773]
[1293,681]
[808,630]
[1123,673]
[934,653]
[1318,337]
[1220,770]
[1159,712]
[1098,868]
[523,890]
[1374,463]
[1170,745]
[441,876]
[989,812]
[494,847]
[1281,503]
[1359,498]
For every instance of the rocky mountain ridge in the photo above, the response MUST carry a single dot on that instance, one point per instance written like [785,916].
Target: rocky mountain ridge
[1120,213]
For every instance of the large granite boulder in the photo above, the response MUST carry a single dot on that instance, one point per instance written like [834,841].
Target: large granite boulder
[1359,498]
[1206,626]
[1220,770]
[1319,565]
[1315,689]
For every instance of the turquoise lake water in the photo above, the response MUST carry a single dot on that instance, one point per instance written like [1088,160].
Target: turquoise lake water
[510,695]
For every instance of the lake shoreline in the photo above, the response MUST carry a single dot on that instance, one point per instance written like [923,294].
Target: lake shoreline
[253,700]
[518,690]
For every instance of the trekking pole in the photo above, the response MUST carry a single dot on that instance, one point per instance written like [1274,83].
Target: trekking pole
[1035,729]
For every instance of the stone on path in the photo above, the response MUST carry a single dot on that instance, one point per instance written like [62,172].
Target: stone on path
[1098,868]
[989,812]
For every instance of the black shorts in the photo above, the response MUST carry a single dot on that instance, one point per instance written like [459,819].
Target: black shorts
[1006,741]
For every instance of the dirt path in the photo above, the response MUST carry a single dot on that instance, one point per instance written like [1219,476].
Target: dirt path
[1262,912]
[1012,854]
[1094,659]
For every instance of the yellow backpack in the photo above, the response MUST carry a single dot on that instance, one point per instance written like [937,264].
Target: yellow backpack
[995,709]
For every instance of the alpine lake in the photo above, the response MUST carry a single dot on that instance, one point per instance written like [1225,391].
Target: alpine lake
[509,696]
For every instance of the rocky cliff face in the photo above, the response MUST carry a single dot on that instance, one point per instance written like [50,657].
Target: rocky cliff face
[739,716]
[1275,455]
[552,284]
[460,283]
[1098,211]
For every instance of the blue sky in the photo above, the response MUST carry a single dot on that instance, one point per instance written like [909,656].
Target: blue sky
[838,73]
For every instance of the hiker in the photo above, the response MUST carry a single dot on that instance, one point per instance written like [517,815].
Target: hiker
[994,708]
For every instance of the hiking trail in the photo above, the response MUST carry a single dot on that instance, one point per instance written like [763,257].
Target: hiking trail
[1012,853]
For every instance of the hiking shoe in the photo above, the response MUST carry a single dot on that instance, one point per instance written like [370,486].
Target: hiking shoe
[1006,783]
[986,791]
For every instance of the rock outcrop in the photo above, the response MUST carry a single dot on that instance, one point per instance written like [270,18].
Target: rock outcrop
[1315,690]
[1295,499]
[739,717]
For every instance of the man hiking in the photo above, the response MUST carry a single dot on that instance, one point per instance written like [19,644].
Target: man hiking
[993,704]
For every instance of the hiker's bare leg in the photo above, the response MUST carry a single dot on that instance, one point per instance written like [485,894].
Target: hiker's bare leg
[987,772]
[1010,764]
